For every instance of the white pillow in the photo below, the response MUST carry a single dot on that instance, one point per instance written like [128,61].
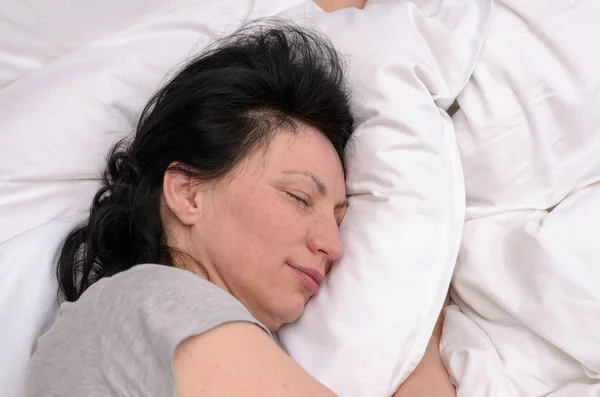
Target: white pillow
[367,329]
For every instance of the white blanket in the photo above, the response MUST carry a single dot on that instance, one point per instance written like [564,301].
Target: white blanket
[527,283]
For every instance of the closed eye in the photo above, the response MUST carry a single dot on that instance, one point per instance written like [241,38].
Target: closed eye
[298,199]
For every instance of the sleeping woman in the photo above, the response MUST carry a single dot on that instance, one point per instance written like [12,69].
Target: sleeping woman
[213,227]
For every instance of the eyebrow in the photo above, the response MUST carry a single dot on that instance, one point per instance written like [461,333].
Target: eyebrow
[321,188]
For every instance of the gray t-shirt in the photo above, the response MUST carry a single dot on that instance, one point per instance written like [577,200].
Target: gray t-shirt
[119,338]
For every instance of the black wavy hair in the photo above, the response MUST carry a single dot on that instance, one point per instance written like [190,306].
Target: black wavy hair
[223,104]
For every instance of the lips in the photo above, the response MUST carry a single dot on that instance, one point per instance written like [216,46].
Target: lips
[310,278]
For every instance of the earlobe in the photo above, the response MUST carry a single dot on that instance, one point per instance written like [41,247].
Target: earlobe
[180,194]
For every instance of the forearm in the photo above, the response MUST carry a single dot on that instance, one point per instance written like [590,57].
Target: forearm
[430,378]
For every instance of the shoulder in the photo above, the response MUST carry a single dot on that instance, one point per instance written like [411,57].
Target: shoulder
[152,279]
[130,325]
[150,284]
[161,294]
[151,308]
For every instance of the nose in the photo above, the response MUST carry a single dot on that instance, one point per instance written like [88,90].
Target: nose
[324,239]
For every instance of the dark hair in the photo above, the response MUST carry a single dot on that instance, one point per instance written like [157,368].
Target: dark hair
[222,105]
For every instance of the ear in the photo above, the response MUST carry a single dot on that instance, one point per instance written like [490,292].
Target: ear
[182,196]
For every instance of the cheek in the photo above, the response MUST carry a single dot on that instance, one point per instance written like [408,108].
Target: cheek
[259,230]
[270,221]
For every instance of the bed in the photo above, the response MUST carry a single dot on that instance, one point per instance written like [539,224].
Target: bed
[497,196]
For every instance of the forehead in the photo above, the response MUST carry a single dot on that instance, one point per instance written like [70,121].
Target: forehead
[305,149]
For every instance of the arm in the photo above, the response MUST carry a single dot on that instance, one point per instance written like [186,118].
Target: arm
[334,5]
[239,359]
[430,378]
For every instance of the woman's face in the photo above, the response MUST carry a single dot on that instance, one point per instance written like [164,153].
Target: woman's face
[269,233]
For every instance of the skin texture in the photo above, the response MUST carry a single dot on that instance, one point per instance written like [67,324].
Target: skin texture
[239,359]
[278,211]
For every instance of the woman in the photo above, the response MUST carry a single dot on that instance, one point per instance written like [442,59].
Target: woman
[214,226]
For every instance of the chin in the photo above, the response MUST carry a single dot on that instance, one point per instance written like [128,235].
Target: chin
[291,310]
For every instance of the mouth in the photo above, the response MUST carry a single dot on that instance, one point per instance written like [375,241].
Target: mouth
[311,279]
